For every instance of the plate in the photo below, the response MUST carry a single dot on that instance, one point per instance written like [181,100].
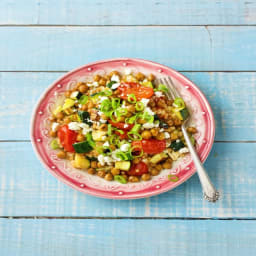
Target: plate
[201,116]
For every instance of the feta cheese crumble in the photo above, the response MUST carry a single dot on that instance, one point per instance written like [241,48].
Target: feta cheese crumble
[55,126]
[115,78]
[183,150]
[127,71]
[145,101]
[167,135]
[150,125]
[125,147]
[115,86]
[159,94]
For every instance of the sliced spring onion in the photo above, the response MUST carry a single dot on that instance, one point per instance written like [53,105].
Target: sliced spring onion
[179,103]
[121,112]
[90,140]
[131,120]
[54,144]
[107,150]
[147,117]
[120,179]
[123,156]
[105,105]
[109,129]
[173,178]
[114,139]
[139,106]
[107,93]
[131,98]
[115,103]
[119,131]
[141,151]
[83,99]
[162,87]
[134,136]
[135,128]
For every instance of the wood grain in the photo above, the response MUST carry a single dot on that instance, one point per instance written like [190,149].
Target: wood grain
[234,111]
[126,237]
[183,48]
[27,189]
[132,12]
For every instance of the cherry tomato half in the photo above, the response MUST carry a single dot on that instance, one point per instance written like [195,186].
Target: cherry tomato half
[122,126]
[138,169]
[67,138]
[138,90]
[150,146]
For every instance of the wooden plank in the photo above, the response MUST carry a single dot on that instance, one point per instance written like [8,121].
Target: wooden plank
[235,112]
[126,237]
[183,48]
[27,189]
[80,12]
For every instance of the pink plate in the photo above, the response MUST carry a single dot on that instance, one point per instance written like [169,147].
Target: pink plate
[202,118]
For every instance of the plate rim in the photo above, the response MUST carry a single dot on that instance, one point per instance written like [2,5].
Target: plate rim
[184,178]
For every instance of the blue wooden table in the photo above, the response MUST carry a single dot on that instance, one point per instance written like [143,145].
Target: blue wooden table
[211,42]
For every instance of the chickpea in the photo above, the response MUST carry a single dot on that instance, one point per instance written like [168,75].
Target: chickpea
[70,156]
[94,164]
[99,165]
[66,120]
[108,177]
[90,105]
[129,114]
[139,76]
[53,134]
[154,132]
[155,172]
[174,136]
[60,115]
[61,154]
[67,93]
[102,81]
[141,121]
[133,179]
[121,119]
[146,176]
[97,78]
[83,88]
[161,103]
[84,107]
[125,176]
[177,122]
[180,134]
[115,171]
[80,137]
[151,77]
[91,171]
[136,160]
[167,165]
[160,136]
[112,147]
[171,129]
[104,117]
[103,127]
[114,72]
[101,173]
[159,167]
[131,108]
[146,134]
[191,130]
[170,122]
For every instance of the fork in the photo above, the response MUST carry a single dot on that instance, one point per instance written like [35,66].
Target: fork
[209,191]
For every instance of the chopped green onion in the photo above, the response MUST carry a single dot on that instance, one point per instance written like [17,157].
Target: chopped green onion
[90,140]
[123,156]
[107,150]
[109,129]
[162,87]
[135,128]
[139,106]
[83,99]
[134,136]
[131,98]
[115,103]
[107,93]
[120,179]
[141,151]
[113,118]
[54,144]
[131,120]
[120,131]
[114,139]
[179,103]
[121,112]
[173,178]
[105,105]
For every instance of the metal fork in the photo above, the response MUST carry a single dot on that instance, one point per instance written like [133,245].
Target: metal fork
[209,191]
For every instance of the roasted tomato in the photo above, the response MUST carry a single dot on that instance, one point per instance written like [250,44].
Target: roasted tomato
[122,126]
[138,169]
[150,146]
[67,138]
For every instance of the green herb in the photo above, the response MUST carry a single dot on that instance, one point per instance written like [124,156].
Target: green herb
[92,158]
[177,145]
[84,117]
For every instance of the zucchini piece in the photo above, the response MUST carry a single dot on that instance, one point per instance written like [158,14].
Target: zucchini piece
[158,158]
[108,168]
[123,165]
[82,147]
[81,162]
[85,117]
[147,84]
[120,179]
[177,145]
[184,113]
[98,135]
[162,124]
[68,104]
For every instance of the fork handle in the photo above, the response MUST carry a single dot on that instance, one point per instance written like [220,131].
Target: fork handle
[210,192]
